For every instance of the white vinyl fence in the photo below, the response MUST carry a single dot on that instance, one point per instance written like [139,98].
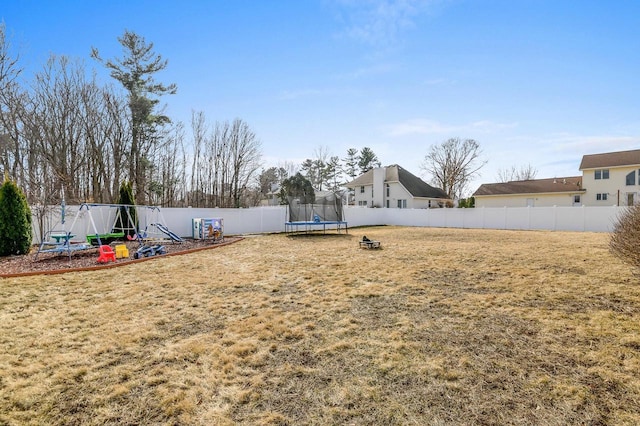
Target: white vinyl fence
[272,219]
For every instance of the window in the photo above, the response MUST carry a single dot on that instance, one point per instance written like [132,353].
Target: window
[362,189]
[387,203]
[362,203]
[402,204]
[388,190]
[601,197]
[602,174]
[576,199]
[631,178]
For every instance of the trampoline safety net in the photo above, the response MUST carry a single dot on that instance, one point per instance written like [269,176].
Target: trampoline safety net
[325,208]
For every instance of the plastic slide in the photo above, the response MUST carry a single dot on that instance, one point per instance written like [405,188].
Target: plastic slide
[167,232]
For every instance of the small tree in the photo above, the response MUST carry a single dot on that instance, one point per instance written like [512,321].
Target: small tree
[350,167]
[15,220]
[626,235]
[299,187]
[453,164]
[126,197]
[467,203]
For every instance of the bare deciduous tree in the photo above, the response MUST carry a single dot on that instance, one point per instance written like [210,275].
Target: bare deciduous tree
[11,111]
[527,172]
[199,133]
[245,159]
[225,164]
[452,164]
[56,126]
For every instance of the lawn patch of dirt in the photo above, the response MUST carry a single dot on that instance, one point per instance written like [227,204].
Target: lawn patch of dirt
[439,327]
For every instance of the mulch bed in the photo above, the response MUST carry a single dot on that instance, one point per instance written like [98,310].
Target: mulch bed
[53,263]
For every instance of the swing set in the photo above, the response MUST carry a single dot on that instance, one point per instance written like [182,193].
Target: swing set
[61,241]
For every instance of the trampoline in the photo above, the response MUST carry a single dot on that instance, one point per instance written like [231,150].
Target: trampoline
[321,214]
[309,226]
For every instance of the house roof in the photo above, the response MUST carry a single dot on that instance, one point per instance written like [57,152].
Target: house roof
[394,173]
[611,159]
[535,186]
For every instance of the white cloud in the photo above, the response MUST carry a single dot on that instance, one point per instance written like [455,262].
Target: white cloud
[426,127]
[593,144]
[379,22]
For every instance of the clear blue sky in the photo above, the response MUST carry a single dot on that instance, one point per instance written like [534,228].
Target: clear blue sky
[538,82]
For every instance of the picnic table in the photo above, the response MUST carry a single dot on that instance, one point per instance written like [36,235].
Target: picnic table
[64,236]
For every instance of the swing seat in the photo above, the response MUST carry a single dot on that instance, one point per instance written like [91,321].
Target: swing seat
[106,254]
[139,235]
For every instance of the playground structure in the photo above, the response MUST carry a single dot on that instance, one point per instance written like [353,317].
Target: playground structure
[61,241]
[63,244]
[211,229]
[326,211]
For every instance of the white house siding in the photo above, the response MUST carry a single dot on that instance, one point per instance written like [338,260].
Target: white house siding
[398,192]
[375,198]
[524,200]
[426,203]
[366,196]
[378,187]
[615,187]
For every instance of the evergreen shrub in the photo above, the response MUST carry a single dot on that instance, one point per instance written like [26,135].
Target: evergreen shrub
[15,220]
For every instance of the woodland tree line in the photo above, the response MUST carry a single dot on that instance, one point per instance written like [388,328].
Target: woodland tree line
[64,133]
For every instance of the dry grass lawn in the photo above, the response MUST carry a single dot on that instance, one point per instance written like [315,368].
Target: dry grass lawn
[441,326]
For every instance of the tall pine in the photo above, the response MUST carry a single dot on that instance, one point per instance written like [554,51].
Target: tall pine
[15,220]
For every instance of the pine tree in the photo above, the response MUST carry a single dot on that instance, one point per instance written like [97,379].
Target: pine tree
[136,71]
[15,220]
[367,160]
[123,222]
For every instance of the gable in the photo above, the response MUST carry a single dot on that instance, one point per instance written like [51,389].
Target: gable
[394,173]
